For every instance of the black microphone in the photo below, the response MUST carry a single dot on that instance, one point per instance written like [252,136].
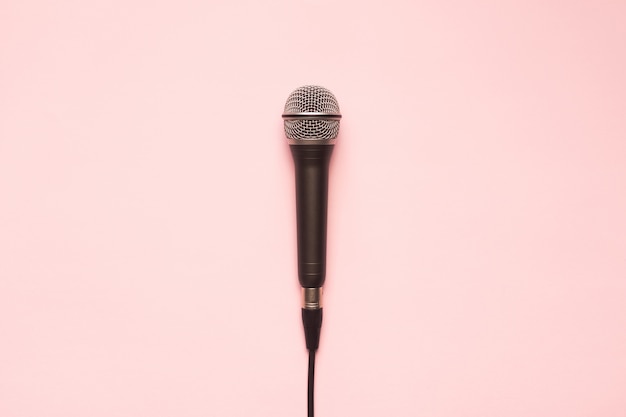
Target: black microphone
[311,120]
[311,125]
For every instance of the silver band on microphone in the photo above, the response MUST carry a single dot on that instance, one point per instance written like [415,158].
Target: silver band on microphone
[311,141]
[311,115]
[312,298]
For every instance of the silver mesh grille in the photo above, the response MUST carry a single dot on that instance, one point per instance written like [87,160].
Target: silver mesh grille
[312,99]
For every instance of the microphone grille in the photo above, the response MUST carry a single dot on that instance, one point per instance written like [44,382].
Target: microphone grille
[312,99]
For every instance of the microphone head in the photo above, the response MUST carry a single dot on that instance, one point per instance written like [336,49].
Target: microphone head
[311,116]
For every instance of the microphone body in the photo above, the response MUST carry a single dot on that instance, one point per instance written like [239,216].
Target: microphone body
[311,167]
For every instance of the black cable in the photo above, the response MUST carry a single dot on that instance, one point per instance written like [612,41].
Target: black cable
[312,321]
[311,382]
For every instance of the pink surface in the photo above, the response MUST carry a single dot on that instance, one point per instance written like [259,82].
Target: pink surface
[477,237]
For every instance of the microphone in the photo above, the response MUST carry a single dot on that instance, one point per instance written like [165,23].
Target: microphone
[311,120]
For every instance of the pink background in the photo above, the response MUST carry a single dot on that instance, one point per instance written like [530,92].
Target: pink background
[477,236]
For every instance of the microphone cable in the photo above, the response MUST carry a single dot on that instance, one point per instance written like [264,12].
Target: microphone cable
[310,396]
[312,321]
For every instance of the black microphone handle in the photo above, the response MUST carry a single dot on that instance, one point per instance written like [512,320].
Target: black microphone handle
[311,165]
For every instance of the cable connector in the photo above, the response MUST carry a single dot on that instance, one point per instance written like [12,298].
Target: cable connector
[312,321]
[312,316]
